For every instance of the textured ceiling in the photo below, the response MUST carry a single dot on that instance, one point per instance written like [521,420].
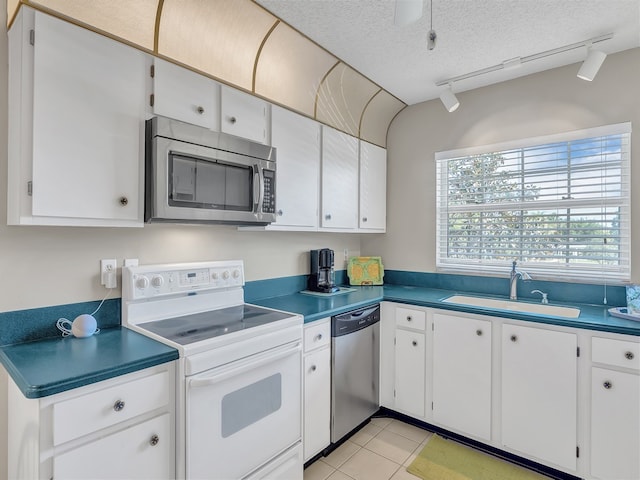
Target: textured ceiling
[472,35]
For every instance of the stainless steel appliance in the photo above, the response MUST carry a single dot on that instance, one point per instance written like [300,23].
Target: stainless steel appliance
[355,366]
[322,277]
[195,175]
[239,387]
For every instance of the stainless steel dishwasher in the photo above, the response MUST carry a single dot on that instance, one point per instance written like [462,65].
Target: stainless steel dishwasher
[355,358]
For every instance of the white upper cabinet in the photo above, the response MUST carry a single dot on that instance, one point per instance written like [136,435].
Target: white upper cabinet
[76,125]
[244,115]
[373,187]
[339,180]
[185,95]
[297,142]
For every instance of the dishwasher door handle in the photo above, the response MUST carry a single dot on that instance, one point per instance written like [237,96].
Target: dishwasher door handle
[357,314]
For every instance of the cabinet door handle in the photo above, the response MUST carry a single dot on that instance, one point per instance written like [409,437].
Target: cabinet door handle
[479,332]
[313,368]
[124,201]
[414,343]
[118,406]
[327,216]
[364,219]
[200,109]
[409,318]
[318,337]
[233,120]
[280,212]
[153,441]
[514,338]
[607,385]
[629,355]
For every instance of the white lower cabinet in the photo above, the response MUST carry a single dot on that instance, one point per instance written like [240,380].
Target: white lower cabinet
[615,409]
[462,374]
[317,387]
[410,367]
[114,429]
[567,398]
[539,393]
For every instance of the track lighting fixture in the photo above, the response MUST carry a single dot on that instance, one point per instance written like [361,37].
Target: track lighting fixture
[591,64]
[588,70]
[449,100]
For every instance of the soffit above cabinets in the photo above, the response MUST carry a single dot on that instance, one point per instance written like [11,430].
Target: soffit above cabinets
[241,44]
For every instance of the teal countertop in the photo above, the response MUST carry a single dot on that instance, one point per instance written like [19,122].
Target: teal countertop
[53,365]
[592,317]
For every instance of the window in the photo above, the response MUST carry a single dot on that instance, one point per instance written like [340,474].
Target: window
[558,205]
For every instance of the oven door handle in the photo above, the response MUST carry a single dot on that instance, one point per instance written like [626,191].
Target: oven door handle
[239,367]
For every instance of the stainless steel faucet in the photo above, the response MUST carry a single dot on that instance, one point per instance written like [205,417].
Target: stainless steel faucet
[513,285]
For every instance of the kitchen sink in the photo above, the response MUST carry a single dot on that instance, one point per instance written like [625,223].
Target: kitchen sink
[514,306]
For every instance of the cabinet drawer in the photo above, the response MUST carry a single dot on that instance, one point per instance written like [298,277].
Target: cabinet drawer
[620,353]
[96,410]
[409,318]
[317,334]
[141,451]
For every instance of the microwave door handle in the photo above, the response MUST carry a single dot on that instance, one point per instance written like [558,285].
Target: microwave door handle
[258,187]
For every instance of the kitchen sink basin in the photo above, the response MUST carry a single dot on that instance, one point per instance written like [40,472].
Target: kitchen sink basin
[514,306]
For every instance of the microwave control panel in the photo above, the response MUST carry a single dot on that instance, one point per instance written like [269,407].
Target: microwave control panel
[269,197]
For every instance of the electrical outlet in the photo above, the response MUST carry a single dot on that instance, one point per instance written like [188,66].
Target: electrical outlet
[108,273]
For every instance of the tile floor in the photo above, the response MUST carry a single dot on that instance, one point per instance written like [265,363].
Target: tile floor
[382,450]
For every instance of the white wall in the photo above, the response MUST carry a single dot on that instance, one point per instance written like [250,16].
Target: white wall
[545,103]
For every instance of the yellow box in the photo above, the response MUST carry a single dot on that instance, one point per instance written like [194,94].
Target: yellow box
[365,271]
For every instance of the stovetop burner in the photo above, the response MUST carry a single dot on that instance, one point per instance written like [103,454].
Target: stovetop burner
[201,326]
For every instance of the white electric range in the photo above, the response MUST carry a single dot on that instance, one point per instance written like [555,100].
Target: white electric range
[239,380]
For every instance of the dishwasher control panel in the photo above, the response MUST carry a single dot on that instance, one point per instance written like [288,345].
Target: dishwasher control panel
[355,320]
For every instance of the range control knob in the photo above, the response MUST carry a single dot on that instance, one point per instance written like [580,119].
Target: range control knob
[157,281]
[214,275]
[236,273]
[142,282]
[225,274]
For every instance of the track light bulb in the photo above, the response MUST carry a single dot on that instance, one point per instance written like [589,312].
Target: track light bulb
[591,64]
[449,100]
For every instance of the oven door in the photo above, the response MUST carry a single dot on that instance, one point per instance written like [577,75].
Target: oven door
[243,414]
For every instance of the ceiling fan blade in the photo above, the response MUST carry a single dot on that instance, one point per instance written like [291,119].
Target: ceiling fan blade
[407,11]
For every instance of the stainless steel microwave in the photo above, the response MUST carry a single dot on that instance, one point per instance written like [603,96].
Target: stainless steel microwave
[195,175]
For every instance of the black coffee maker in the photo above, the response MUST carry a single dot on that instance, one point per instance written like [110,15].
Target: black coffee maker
[323,277]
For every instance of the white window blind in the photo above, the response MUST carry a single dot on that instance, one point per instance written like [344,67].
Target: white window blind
[559,205]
